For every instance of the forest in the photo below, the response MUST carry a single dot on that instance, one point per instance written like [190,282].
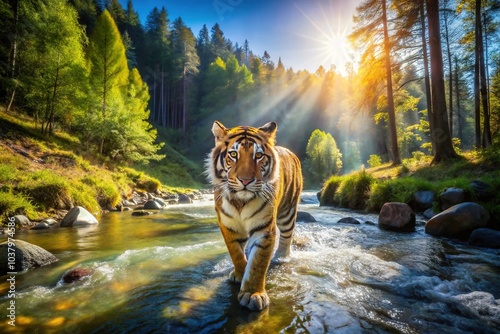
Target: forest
[426,81]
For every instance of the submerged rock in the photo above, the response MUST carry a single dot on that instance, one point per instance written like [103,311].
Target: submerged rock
[41,226]
[396,216]
[78,216]
[485,237]
[76,274]
[27,256]
[348,220]
[305,217]
[458,221]
[152,205]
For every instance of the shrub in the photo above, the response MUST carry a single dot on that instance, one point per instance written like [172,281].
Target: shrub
[354,190]
[374,160]
[106,191]
[47,190]
[329,189]
[396,190]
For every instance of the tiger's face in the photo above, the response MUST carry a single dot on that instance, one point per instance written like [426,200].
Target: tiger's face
[243,162]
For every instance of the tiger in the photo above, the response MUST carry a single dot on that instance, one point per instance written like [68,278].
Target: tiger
[257,188]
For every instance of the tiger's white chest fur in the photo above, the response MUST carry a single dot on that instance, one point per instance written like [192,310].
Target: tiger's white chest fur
[245,218]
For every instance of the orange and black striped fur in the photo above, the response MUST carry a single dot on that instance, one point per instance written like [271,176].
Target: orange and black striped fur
[257,190]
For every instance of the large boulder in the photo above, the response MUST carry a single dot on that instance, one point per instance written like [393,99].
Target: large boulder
[26,256]
[423,200]
[485,237]
[451,197]
[78,216]
[396,216]
[458,221]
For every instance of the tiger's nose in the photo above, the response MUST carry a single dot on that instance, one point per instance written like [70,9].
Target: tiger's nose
[246,182]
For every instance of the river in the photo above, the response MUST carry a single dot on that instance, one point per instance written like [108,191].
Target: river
[166,273]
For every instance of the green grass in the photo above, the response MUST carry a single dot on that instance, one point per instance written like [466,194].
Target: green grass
[370,189]
[16,204]
[40,174]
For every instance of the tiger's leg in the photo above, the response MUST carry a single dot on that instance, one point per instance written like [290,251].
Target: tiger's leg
[286,224]
[253,293]
[235,243]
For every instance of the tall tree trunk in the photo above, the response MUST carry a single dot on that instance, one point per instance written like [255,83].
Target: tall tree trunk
[457,95]
[426,69]
[396,159]
[482,75]
[450,72]
[13,54]
[477,79]
[441,137]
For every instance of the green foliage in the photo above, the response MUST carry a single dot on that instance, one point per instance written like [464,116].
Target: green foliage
[354,190]
[396,190]
[327,196]
[12,204]
[323,157]
[374,160]
[107,192]
[53,65]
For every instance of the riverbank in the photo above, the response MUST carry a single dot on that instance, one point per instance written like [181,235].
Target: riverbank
[476,174]
[43,176]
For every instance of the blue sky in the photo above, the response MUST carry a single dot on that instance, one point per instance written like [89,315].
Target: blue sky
[304,33]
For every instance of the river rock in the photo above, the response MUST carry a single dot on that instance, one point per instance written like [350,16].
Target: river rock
[423,200]
[451,197]
[27,256]
[396,216]
[78,216]
[160,201]
[348,220]
[184,199]
[458,221]
[126,202]
[21,220]
[152,205]
[481,190]
[76,274]
[305,217]
[485,237]
[429,213]
[41,226]
[140,213]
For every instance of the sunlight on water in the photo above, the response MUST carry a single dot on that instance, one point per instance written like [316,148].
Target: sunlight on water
[168,273]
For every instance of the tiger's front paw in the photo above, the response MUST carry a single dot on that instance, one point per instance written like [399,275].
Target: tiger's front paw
[235,277]
[254,301]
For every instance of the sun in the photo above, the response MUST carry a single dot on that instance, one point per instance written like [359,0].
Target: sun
[326,37]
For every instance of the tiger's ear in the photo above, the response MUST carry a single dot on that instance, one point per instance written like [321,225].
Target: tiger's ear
[270,130]
[219,131]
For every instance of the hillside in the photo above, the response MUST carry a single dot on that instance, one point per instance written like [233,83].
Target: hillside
[40,175]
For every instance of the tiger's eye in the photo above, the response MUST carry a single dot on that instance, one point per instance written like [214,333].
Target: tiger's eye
[233,154]
[258,155]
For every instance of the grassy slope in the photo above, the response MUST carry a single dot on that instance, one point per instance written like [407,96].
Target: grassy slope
[370,189]
[40,174]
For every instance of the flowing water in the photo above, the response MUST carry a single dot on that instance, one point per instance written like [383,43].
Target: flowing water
[166,273]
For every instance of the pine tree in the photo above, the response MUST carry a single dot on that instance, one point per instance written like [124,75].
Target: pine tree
[108,73]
